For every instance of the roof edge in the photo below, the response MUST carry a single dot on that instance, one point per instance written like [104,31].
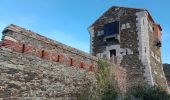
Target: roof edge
[149,15]
[112,8]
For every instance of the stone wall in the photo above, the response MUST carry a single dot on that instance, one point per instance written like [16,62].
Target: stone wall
[121,78]
[127,52]
[35,44]
[35,67]
[25,76]
[32,67]
[155,58]
[134,46]
[166,68]
[143,43]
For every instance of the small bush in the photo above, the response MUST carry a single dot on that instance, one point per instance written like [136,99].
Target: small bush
[107,89]
[109,93]
[148,93]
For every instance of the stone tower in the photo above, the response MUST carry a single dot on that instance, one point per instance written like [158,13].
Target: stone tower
[131,38]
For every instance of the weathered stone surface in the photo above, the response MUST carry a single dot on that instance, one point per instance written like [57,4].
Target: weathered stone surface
[137,44]
[166,68]
[128,40]
[35,67]
[39,78]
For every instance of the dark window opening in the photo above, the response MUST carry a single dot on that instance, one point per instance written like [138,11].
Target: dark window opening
[145,49]
[126,52]
[159,44]
[153,28]
[42,54]
[58,58]
[111,28]
[112,40]
[81,65]
[23,48]
[71,62]
[112,53]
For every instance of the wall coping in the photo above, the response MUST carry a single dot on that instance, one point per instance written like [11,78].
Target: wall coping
[48,41]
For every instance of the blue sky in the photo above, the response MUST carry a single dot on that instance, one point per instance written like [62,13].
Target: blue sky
[67,20]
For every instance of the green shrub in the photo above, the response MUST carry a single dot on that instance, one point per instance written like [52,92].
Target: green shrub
[109,93]
[106,90]
[148,93]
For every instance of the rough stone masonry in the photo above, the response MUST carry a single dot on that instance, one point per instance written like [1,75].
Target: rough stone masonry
[132,38]
[32,66]
[35,67]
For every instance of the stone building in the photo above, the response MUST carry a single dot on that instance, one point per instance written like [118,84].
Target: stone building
[35,67]
[131,38]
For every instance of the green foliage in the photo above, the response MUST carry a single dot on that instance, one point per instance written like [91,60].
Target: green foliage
[106,90]
[102,73]
[109,93]
[149,93]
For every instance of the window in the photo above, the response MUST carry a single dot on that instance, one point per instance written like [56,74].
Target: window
[153,28]
[42,54]
[110,39]
[126,52]
[158,44]
[112,53]
[111,28]
[81,65]
[58,58]
[23,48]
[71,62]
[99,33]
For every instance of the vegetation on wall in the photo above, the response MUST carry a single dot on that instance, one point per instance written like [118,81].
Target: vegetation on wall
[105,81]
[147,92]
[106,88]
